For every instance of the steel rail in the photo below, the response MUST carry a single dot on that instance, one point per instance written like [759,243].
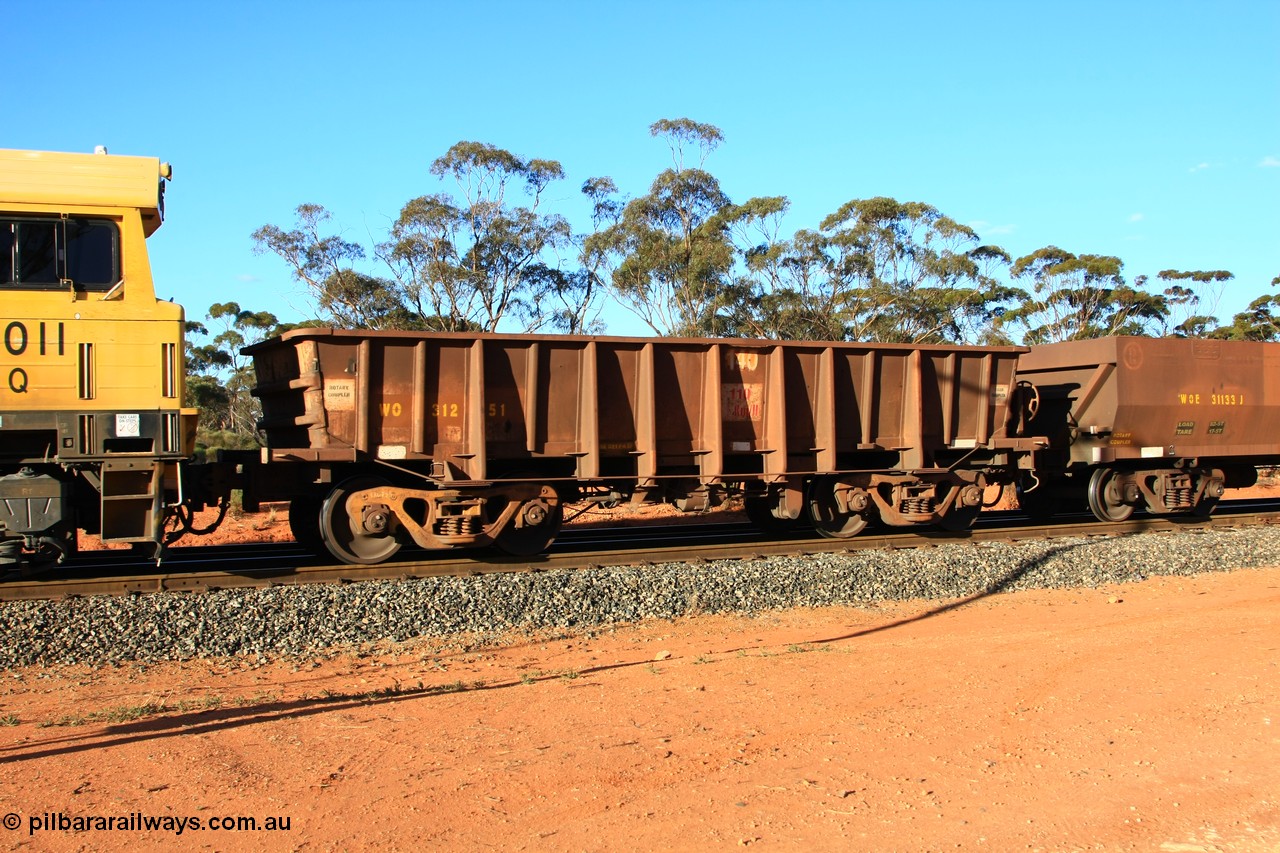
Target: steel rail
[744,543]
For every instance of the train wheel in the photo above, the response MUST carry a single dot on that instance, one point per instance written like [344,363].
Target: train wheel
[965,507]
[304,523]
[539,522]
[759,512]
[1105,498]
[828,517]
[960,518]
[364,540]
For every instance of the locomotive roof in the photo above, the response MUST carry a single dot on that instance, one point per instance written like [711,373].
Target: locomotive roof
[33,179]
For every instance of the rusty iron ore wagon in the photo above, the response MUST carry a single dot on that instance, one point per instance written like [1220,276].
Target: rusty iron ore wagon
[1161,424]
[457,440]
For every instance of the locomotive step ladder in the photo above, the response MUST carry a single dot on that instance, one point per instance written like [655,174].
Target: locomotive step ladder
[132,494]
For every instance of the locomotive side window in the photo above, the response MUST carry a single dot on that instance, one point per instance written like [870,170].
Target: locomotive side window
[36,252]
[92,250]
[6,253]
[43,254]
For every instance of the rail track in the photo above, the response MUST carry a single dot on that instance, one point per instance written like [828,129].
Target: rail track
[205,568]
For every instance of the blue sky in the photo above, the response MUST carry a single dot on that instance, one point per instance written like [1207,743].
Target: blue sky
[1146,130]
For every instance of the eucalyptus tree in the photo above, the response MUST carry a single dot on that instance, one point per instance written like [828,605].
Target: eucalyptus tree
[572,300]
[880,270]
[750,308]
[1073,297]
[803,292]
[204,388]
[472,261]
[220,378]
[917,275]
[325,264]
[1259,322]
[463,262]
[673,249]
[1203,288]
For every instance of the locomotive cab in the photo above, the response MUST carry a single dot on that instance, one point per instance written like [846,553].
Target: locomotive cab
[91,378]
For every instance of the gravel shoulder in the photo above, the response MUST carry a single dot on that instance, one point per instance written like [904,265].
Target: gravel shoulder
[1054,696]
[313,619]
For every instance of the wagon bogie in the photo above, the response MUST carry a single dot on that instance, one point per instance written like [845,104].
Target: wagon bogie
[531,520]
[367,520]
[952,500]
[355,525]
[1168,491]
[1114,494]
[839,509]
[768,516]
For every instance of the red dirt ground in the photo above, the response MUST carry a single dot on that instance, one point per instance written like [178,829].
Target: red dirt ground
[1144,717]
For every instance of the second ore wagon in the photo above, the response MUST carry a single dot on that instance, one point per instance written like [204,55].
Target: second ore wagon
[1165,425]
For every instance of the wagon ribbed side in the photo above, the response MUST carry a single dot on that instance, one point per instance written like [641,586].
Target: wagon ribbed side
[677,419]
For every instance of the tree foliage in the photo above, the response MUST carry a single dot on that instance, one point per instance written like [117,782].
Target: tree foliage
[482,252]
[1185,301]
[324,263]
[469,262]
[880,270]
[1080,296]
[461,262]
[219,378]
[673,254]
[1259,322]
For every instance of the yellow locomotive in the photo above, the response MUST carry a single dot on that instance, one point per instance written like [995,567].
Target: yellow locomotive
[92,428]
